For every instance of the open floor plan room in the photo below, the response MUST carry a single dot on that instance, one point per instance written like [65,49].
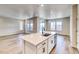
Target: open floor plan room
[39,28]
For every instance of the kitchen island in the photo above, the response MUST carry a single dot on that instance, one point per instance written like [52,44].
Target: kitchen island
[37,43]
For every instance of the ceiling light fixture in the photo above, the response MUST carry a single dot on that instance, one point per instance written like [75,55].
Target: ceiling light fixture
[42,5]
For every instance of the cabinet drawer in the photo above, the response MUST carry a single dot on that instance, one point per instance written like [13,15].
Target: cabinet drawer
[42,44]
[42,48]
[50,44]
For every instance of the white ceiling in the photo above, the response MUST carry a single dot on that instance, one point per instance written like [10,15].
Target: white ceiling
[24,11]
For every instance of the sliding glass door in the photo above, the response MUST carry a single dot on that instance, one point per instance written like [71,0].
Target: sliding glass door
[42,25]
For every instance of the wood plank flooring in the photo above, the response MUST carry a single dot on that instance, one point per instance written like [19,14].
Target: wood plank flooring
[13,45]
[63,46]
[10,45]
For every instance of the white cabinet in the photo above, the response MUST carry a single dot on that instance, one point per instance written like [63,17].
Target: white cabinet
[78,40]
[78,45]
[51,43]
[29,48]
[42,48]
[39,49]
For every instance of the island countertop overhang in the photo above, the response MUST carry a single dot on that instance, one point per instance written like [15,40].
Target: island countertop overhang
[37,38]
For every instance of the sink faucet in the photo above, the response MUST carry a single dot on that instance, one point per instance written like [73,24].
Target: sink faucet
[43,29]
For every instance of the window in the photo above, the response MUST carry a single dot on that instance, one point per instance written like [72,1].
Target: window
[29,26]
[21,25]
[59,26]
[42,25]
[56,25]
[53,25]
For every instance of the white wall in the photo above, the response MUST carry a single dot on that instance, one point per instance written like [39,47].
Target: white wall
[78,28]
[66,26]
[73,26]
[8,26]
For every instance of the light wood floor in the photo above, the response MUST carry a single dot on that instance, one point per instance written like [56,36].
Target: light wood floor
[63,46]
[10,45]
[13,44]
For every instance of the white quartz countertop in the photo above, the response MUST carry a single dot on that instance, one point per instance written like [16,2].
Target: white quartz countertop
[37,38]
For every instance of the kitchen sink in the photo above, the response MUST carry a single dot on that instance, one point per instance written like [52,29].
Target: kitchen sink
[46,34]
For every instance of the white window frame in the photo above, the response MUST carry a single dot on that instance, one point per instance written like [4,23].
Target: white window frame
[56,29]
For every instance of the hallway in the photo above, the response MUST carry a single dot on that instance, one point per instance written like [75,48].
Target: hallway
[63,47]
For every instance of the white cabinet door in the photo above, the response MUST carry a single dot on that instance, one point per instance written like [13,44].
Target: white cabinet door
[78,40]
[77,37]
[42,48]
[78,45]
[51,43]
[29,48]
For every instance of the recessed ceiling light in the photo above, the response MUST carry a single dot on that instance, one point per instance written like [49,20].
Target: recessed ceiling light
[42,5]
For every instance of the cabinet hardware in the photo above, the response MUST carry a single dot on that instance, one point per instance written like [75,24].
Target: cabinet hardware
[51,41]
[43,49]
[43,43]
